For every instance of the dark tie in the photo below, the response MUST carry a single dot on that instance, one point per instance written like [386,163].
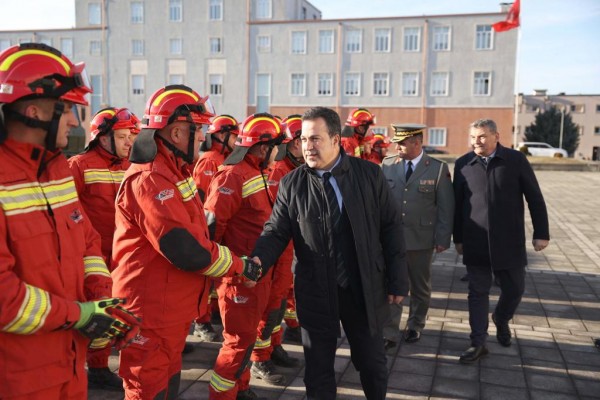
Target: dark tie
[409,170]
[335,215]
[484,160]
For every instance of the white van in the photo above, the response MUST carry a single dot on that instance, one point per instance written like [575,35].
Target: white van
[540,149]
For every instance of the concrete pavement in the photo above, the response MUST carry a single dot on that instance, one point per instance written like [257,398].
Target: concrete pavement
[552,356]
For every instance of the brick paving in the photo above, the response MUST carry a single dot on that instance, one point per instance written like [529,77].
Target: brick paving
[552,356]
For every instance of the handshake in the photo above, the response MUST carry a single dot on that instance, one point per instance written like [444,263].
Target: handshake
[252,270]
[105,322]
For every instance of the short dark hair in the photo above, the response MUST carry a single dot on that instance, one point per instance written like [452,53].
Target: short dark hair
[332,119]
[485,123]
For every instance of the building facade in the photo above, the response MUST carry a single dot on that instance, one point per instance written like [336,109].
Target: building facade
[281,56]
[583,109]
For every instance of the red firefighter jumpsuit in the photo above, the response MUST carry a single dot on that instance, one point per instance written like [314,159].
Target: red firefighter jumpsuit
[97,175]
[49,259]
[163,258]
[238,201]
[269,332]
[204,170]
[353,146]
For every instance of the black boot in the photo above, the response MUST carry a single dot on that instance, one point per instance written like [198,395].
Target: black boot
[266,371]
[281,358]
[105,379]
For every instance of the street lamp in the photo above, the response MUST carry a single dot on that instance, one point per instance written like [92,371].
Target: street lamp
[562,126]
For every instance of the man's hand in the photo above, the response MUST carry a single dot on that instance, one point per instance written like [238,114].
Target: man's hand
[439,249]
[459,248]
[540,244]
[252,269]
[395,299]
[105,321]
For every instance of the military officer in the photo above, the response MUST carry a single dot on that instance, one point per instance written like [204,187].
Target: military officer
[423,189]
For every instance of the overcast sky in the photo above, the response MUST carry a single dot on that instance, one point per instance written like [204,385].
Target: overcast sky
[559,48]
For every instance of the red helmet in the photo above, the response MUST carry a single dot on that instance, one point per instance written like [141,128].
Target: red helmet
[110,119]
[34,69]
[176,103]
[359,117]
[224,123]
[294,126]
[261,128]
[380,140]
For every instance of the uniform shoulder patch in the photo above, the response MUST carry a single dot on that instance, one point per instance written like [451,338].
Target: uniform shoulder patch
[165,195]
[208,172]
[76,216]
[225,190]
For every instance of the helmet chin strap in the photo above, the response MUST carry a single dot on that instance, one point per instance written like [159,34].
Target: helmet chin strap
[51,127]
[296,161]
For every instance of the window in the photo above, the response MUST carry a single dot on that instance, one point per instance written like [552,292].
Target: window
[137,12]
[483,37]
[175,79]
[175,10]
[410,84]
[95,48]
[94,14]
[137,84]
[263,92]
[298,85]
[175,46]
[216,45]
[66,46]
[437,136]
[412,39]
[597,130]
[263,9]
[353,41]
[4,44]
[382,40]
[216,84]
[577,108]
[215,10]
[298,42]
[325,84]
[482,84]
[439,84]
[137,47]
[441,38]
[380,84]
[263,44]
[326,41]
[597,105]
[352,84]
[96,95]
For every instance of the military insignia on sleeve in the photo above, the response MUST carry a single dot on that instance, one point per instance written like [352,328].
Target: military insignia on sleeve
[165,195]
[76,216]
[225,190]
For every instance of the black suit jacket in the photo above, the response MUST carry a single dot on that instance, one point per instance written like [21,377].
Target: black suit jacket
[489,218]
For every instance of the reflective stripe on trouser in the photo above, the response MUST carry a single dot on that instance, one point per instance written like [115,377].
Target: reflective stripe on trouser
[149,363]
[98,358]
[290,317]
[241,309]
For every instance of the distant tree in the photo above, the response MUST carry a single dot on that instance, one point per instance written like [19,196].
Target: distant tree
[546,128]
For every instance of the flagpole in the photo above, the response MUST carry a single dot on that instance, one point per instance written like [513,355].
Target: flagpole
[516,91]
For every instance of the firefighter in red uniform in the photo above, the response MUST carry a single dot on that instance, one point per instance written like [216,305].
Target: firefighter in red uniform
[161,251]
[379,147]
[237,205]
[98,173]
[357,127]
[51,266]
[268,344]
[223,132]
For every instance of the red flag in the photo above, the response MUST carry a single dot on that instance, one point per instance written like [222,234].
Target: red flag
[512,19]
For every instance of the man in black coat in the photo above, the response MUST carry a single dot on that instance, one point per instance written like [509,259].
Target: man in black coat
[349,246]
[489,229]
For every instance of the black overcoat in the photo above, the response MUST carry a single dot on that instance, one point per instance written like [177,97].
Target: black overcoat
[300,213]
[489,218]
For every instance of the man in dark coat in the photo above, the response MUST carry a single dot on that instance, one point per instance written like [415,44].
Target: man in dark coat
[489,229]
[350,253]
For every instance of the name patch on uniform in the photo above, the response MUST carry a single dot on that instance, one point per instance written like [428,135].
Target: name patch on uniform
[427,182]
[225,190]
[165,195]
[76,216]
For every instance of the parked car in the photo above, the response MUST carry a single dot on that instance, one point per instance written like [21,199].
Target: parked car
[540,149]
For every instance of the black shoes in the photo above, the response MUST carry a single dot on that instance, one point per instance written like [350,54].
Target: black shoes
[248,395]
[292,335]
[502,332]
[388,344]
[282,359]
[104,379]
[464,278]
[473,354]
[205,332]
[411,336]
[597,343]
[266,371]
